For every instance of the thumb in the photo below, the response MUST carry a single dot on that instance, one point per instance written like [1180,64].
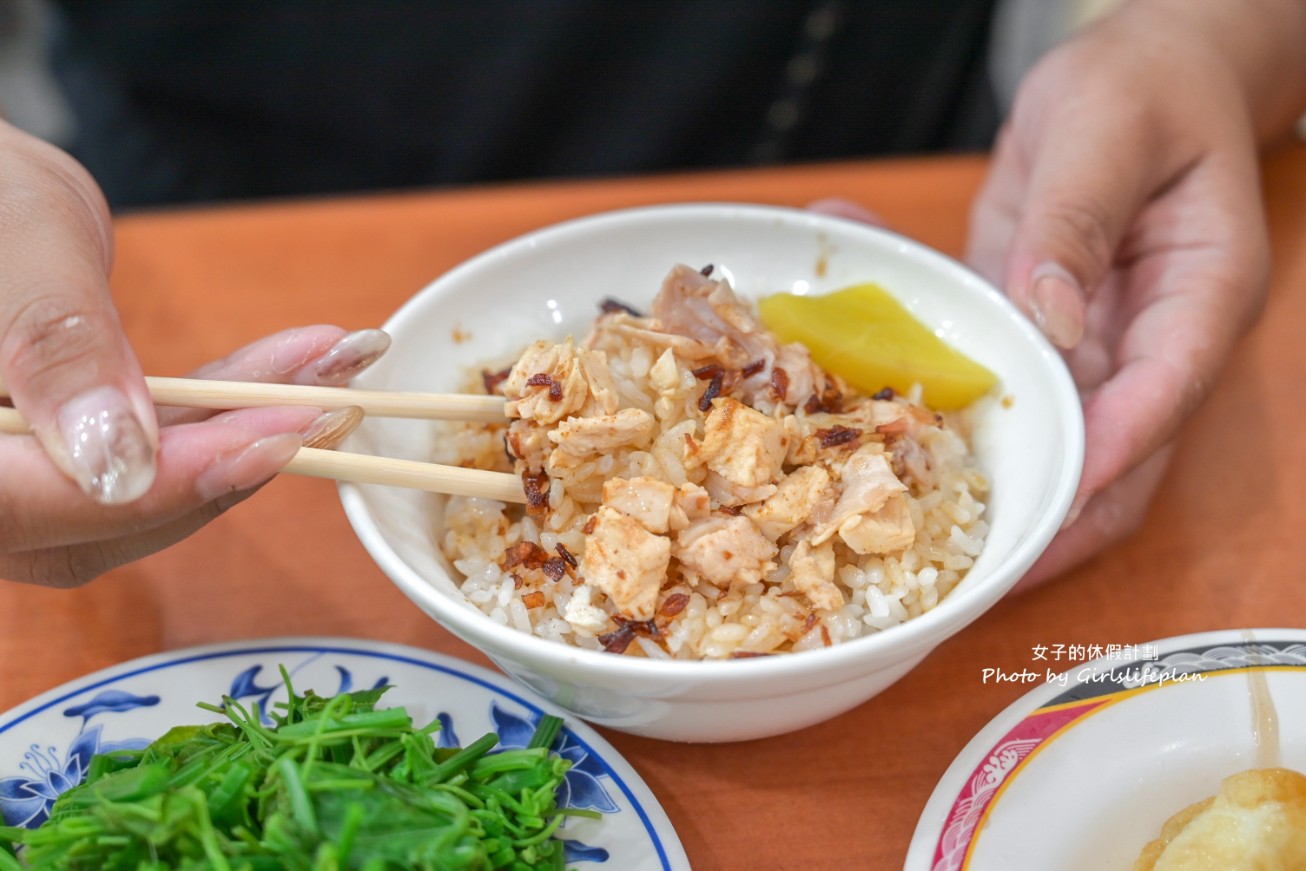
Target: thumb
[1083,191]
[63,356]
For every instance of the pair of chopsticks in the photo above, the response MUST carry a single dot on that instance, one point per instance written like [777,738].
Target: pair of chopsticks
[319,462]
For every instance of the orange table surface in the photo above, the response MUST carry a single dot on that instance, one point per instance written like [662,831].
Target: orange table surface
[1222,546]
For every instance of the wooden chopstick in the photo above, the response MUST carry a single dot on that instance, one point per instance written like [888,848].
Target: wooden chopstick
[197,393]
[433,477]
[12,421]
[365,469]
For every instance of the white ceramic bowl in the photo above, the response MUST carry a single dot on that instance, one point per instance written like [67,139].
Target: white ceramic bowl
[548,284]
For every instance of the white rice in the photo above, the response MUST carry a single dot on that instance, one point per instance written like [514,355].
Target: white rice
[879,591]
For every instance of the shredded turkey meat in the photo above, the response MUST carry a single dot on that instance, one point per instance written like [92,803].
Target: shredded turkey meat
[626,561]
[750,456]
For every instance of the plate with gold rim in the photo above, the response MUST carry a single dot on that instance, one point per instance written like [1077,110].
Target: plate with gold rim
[1081,772]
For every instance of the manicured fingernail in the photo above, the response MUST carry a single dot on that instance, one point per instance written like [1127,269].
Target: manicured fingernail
[247,467]
[346,358]
[1076,508]
[109,452]
[329,430]
[1058,305]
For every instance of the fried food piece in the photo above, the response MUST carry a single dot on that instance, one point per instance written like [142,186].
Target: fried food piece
[1256,822]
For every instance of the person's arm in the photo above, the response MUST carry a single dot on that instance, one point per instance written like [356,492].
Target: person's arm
[106,479]
[1123,213]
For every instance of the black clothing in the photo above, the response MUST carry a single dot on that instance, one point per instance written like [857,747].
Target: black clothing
[184,100]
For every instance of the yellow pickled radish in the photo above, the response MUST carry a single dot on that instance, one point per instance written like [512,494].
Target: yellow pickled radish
[865,336]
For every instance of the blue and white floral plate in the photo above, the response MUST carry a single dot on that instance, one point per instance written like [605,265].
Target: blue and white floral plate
[46,743]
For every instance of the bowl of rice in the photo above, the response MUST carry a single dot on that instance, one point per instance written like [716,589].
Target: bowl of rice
[718,538]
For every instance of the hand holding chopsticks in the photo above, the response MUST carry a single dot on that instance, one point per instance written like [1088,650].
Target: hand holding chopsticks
[315,459]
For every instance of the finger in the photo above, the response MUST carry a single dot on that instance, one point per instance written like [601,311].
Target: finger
[272,419]
[996,210]
[319,355]
[197,463]
[1143,404]
[1092,361]
[1089,362]
[317,429]
[1108,518]
[1197,282]
[328,431]
[1086,184]
[78,564]
[63,354]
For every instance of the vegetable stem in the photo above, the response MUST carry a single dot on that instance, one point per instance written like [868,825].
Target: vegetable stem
[324,784]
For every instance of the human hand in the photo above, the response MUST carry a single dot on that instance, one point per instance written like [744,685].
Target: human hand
[104,479]
[1122,212]
[206,463]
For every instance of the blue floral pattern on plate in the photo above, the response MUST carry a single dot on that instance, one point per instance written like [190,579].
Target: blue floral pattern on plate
[26,797]
[46,744]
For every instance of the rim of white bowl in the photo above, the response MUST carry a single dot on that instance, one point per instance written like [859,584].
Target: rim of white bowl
[964,604]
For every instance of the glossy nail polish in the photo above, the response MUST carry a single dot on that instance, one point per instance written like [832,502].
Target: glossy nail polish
[247,467]
[329,430]
[108,451]
[346,358]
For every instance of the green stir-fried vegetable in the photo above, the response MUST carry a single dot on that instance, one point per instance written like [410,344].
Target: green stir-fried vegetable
[334,783]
